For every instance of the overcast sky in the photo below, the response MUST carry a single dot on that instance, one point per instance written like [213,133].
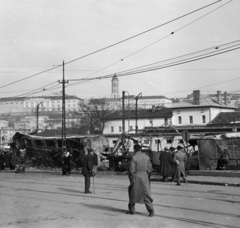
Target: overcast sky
[38,35]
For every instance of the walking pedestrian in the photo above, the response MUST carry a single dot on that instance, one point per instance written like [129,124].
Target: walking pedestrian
[180,158]
[139,175]
[87,170]
[165,164]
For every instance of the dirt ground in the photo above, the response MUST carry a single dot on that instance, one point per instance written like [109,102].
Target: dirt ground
[55,201]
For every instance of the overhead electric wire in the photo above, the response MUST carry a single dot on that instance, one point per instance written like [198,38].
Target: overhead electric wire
[186,55]
[218,52]
[158,40]
[27,94]
[194,58]
[213,49]
[176,30]
[179,62]
[112,45]
[217,83]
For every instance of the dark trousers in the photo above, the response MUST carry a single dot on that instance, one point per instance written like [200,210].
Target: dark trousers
[87,183]
[147,201]
[179,181]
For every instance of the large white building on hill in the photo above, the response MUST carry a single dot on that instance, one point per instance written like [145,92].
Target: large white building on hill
[18,105]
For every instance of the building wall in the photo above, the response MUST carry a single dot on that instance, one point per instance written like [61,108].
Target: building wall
[198,115]
[6,135]
[115,126]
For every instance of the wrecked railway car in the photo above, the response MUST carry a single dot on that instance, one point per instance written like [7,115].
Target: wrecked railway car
[47,151]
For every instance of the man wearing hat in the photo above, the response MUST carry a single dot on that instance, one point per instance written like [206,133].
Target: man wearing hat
[179,159]
[139,190]
[87,169]
[165,164]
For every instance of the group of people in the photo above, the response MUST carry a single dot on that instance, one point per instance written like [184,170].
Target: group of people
[223,159]
[8,159]
[139,172]
[172,164]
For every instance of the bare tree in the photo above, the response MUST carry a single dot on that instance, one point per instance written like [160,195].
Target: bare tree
[94,112]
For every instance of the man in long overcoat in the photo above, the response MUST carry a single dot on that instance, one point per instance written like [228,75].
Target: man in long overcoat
[139,176]
[87,169]
[180,158]
[165,164]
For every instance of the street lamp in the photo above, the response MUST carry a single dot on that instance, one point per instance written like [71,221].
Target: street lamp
[136,98]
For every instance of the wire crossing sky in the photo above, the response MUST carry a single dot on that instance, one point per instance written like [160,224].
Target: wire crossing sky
[45,33]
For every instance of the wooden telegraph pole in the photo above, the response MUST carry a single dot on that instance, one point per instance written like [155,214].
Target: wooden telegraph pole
[123,112]
[63,112]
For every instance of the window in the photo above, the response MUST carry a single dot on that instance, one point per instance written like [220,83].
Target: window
[169,141]
[204,119]
[112,129]
[120,129]
[165,121]
[180,120]
[190,119]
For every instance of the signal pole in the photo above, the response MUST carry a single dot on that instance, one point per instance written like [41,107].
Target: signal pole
[63,112]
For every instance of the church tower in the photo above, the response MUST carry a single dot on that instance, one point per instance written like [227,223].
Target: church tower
[115,87]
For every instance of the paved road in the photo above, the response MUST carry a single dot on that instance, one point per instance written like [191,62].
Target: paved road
[49,200]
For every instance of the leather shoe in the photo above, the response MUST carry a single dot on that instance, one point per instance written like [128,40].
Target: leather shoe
[151,213]
[88,192]
[178,184]
[131,212]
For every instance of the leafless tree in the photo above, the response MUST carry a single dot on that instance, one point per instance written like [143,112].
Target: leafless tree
[93,116]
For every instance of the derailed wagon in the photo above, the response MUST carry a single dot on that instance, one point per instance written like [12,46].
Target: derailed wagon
[47,151]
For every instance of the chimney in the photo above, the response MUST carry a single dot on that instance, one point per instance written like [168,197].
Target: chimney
[196,97]
[219,100]
[225,98]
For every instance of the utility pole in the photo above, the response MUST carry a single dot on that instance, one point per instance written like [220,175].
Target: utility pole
[63,112]
[136,115]
[38,114]
[123,112]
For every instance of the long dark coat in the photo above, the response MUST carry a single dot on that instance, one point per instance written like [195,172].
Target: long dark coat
[7,159]
[87,165]
[139,170]
[180,168]
[165,164]
[13,160]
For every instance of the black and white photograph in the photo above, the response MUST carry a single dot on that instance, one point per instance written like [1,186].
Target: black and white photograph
[119,114]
